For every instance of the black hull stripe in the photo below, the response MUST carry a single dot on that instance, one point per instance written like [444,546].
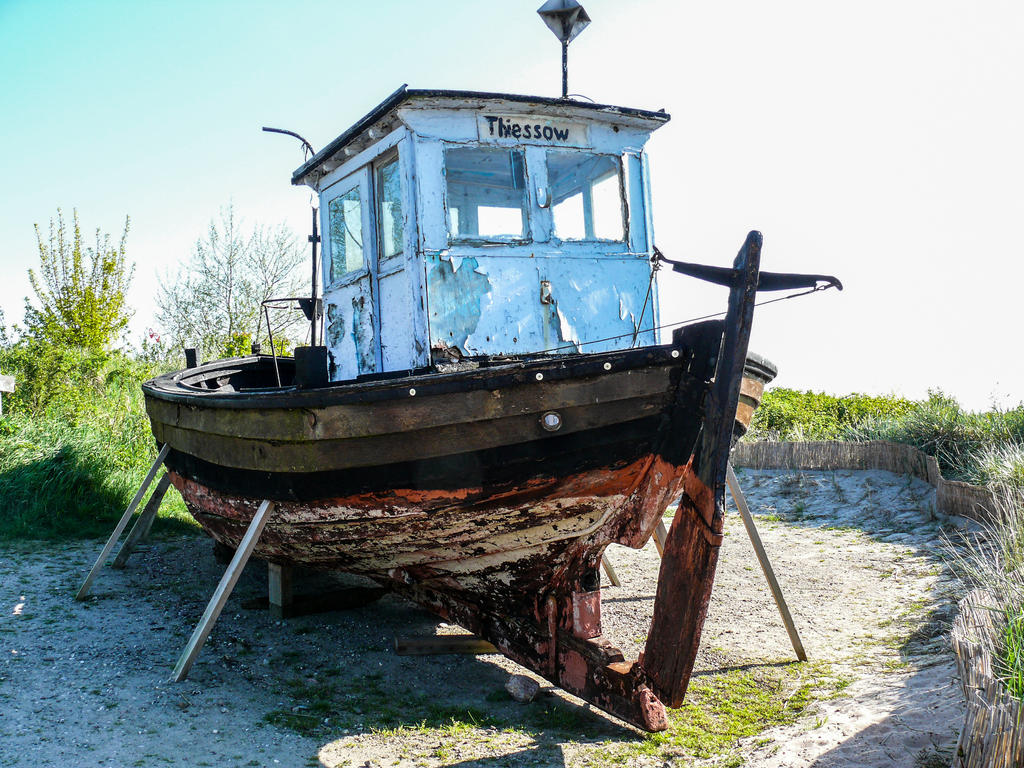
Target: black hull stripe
[494,468]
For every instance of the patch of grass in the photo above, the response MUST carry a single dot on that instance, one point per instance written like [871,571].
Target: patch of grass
[961,441]
[721,708]
[69,469]
[1012,656]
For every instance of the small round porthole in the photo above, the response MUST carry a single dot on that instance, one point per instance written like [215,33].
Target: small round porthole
[551,421]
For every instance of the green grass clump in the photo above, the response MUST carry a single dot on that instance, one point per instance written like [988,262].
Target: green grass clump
[74,448]
[993,560]
[996,465]
[1013,652]
[959,440]
[723,707]
[786,414]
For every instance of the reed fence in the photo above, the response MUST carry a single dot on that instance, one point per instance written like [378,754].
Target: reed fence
[993,732]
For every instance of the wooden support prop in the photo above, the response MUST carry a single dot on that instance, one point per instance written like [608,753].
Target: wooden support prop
[433,645]
[766,566]
[279,589]
[608,569]
[87,585]
[144,522]
[223,591]
[660,534]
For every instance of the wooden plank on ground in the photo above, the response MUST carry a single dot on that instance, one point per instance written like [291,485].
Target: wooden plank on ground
[431,645]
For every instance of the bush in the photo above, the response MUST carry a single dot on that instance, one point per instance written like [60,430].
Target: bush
[974,447]
[786,414]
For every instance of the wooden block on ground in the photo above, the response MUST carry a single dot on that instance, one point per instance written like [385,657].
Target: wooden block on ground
[279,589]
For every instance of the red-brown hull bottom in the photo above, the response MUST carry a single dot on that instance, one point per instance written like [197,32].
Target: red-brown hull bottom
[499,544]
[482,557]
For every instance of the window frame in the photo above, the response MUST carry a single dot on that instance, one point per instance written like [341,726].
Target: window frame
[529,203]
[623,198]
[392,155]
[356,181]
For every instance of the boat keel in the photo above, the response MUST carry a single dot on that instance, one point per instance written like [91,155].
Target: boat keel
[562,643]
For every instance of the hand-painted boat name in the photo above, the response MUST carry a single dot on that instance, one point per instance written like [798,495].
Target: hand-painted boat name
[527,129]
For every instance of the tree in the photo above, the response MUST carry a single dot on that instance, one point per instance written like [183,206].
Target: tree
[81,291]
[213,302]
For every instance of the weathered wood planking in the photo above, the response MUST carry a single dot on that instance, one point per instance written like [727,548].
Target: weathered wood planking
[691,548]
[439,644]
[222,592]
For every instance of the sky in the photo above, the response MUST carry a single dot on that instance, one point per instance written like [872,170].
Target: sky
[882,142]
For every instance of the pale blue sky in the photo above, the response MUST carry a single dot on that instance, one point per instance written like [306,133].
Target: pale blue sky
[881,142]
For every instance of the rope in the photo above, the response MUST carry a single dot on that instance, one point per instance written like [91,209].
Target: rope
[655,266]
[635,333]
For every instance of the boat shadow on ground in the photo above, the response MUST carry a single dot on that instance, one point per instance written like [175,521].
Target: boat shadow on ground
[340,683]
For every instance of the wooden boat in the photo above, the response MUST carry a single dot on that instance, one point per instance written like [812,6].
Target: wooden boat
[471,434]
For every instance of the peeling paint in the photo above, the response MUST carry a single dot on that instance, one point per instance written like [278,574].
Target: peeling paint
[566,331]
[335,325]
[496,307]
[362,334]
[455,300]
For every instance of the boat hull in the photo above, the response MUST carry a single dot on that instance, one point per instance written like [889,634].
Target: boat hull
[489,493]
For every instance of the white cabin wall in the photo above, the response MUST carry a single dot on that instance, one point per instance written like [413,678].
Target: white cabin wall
[501,298]
[397,293]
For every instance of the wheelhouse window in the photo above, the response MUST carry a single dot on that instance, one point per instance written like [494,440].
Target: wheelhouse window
[586,196]
[486,194]
[389,208]
[345,224]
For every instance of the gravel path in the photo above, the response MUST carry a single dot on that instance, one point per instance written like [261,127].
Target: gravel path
[856,552]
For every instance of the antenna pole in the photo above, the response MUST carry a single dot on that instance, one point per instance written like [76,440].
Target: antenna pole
[566,19]
[314,239]
[565,69]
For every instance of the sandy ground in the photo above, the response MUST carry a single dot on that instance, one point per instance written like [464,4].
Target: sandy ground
[859,558]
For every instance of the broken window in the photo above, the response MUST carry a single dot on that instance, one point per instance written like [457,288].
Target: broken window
[346,233]
[586,196]
[486,191]
[389,214]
